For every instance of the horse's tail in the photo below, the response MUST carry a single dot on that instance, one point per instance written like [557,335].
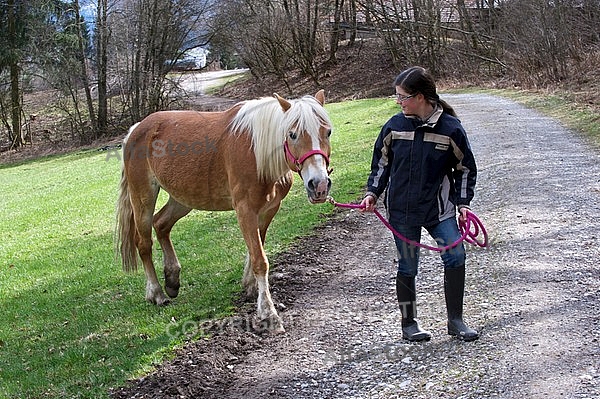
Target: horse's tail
[125,229]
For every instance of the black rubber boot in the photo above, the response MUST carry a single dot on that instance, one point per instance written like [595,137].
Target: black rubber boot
[454,288]
[407,299]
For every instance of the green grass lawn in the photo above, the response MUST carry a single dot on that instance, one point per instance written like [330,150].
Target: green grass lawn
[72,323]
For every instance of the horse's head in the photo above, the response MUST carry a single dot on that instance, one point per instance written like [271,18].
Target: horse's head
[306,143]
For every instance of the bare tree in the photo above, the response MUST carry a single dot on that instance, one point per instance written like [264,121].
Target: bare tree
[61,60]
[276,37]
[260,35]
[82,45]
[304,19]
[13,15]
[542,39]
[402,25]
[147,36]
[334,38]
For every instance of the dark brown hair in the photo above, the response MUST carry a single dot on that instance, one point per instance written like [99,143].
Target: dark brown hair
[416,80]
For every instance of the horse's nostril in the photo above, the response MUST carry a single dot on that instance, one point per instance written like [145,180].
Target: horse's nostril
[319,187]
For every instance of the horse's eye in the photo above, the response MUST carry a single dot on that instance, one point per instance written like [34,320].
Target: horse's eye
[293,135]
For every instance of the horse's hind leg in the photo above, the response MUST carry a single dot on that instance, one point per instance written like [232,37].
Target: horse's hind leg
[143,194]
[164,221]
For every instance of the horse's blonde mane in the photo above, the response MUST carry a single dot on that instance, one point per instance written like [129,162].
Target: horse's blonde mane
[268,125]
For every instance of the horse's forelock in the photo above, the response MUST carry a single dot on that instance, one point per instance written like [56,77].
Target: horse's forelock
[250,116]
[307,115]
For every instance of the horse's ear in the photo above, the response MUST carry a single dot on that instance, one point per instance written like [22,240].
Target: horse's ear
[320,96]
[285,104]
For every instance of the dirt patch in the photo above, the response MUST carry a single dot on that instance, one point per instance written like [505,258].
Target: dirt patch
[534,295]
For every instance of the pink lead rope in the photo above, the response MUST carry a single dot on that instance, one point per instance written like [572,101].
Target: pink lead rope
[469,229]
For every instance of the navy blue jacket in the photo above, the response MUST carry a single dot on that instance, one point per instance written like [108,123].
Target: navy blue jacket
[427,167]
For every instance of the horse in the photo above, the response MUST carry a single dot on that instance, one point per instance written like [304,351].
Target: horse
[240,159]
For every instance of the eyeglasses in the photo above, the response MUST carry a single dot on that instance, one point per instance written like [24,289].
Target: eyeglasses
[401,98]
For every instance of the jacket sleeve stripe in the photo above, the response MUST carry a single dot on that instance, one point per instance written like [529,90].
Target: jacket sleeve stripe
[383,162]
[463,185]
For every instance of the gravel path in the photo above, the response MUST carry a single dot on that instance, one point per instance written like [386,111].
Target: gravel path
[534,295]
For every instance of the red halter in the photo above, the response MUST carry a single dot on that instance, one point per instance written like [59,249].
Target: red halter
[299,161]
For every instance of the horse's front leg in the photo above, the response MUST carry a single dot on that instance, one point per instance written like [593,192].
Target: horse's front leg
[264,220]
[281,189]
[249,224]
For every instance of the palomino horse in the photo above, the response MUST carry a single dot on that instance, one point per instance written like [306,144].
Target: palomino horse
[240,159]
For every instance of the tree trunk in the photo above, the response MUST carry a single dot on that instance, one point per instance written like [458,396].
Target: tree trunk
[466,24]
[15,99]
[335,33]
[102,60]
[354,23]
[15,91]
[84,70]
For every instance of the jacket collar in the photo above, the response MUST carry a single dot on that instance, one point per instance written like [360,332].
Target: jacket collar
[432,120]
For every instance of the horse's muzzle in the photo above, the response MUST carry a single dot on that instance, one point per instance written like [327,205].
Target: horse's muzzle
[318,190]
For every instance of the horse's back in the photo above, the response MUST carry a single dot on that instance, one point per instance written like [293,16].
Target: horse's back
[193,156]
[185,125]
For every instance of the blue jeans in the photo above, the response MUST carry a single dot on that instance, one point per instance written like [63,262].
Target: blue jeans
[444,233]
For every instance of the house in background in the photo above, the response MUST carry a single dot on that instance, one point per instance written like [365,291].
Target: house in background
[192,59]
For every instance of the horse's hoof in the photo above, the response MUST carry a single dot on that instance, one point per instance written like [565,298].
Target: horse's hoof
[163,302]
[271,325]
[172,292]
[172,281]
[159,301]
[278,330]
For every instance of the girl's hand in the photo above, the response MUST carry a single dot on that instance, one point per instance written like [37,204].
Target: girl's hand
[368,204]
[462,217]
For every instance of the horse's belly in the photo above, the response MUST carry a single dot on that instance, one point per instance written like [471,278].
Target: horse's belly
[210,203]
[196,182]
